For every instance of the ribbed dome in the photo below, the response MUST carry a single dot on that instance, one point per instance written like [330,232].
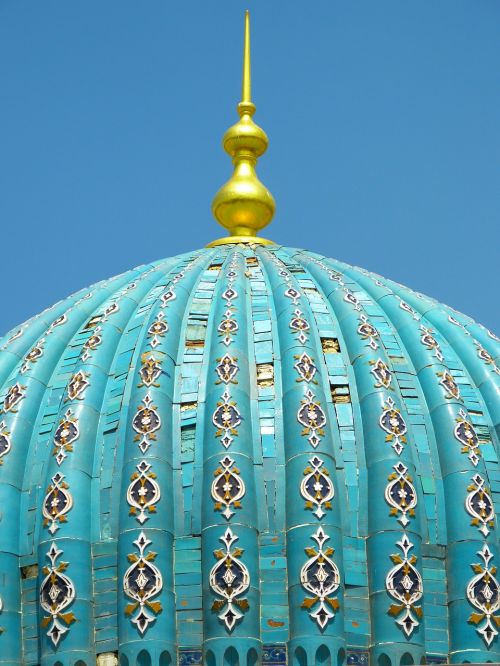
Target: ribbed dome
[243,451]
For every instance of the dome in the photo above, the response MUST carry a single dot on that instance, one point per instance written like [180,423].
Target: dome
[249,454]
[249,447]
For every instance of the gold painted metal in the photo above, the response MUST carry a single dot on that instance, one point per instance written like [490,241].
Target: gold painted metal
[244,205]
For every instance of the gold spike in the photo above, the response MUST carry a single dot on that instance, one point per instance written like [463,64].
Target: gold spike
[244,205]
[246,88]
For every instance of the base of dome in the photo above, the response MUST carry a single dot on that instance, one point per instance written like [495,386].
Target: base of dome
[236,240]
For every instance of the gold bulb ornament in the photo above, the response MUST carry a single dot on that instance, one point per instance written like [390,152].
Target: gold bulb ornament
[244,205]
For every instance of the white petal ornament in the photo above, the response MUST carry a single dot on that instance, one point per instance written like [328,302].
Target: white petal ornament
[394,425]
[57,592]
[57,503]
[400,494]
[229,579]
[146,422]
[142,581]
[226,418]
[464,432]
[5,443]
[143,493]
[321,578]
[404,584]
[312,417]
[479,505]
[66,433]
[483,592]
[227,488]
[317,487]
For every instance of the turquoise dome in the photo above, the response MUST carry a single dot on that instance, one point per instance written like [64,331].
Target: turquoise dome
[249,455]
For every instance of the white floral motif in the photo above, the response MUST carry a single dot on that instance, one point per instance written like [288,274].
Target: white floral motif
[92,343]
[143,493]
[167,297]
[157,330]
[227,369]
[146,422]
[392,422]
[312,417]
[321,578]
[57,592]
[150,370]
[5,443]
[305,368]
[226,418]
[228,326]
[32,356]
[17,334]
[449,384]
[299,325]
[404,584]
[407,308]
[429,341]
[493,336]
[110,310]
[57,503]
[368,332]
[293,294]
[229,579]
[317,487]
[14,395]
[227,488]
[400,494]
[352,299]
[77,385]
[466,435]
[381,373]
[486,357]
[57,322]
[66,433]
[479,505]
[142,581]
[483,592]
[455,322]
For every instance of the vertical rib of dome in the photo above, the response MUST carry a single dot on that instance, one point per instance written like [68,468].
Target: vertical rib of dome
[146,605]
[269,460]
[313,531]
[229,509]
[189,412]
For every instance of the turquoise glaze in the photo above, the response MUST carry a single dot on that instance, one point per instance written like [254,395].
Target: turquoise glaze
[224,443]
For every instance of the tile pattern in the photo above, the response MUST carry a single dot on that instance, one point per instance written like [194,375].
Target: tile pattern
[297,427]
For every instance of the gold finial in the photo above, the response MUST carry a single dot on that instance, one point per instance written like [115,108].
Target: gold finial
[243,205]
[246,87]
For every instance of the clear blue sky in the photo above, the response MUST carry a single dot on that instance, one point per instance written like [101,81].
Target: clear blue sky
[383,120]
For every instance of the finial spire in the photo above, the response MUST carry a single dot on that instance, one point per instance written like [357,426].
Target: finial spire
[244,205]
[246,88]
